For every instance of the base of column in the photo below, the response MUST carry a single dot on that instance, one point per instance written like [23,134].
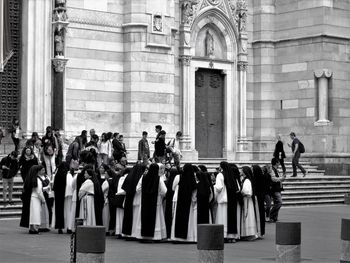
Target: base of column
[189,155]
[323,123]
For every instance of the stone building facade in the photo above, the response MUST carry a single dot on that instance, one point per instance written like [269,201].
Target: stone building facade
[231,74]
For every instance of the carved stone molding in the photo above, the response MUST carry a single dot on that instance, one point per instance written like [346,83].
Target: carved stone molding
[185,60]
[242,66]
[59,64]
[89,17]
[241,16]
[323,73]
[214,2]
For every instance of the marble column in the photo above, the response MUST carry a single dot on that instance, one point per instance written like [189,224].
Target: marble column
[187,117]
[36,66]
[242,84]
[322,78]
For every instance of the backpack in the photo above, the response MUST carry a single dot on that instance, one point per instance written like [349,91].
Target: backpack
[301,147]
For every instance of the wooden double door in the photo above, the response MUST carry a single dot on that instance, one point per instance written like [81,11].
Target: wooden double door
[209,93]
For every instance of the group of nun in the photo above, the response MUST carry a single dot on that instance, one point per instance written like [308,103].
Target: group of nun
[148,203]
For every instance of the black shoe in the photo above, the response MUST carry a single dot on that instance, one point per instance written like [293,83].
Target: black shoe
[33,232]
[69,231]
[60,231]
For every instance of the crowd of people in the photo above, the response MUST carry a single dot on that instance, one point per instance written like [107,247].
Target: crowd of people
[156,199]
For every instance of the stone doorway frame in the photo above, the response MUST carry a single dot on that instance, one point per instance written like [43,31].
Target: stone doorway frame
[230,100]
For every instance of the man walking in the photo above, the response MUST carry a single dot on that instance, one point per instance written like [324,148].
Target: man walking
[143,153]
[296,155]
[174,148]
[9,167]
[276,188]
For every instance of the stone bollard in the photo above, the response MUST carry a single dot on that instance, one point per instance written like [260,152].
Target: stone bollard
[210,243]
[288,239]
[345,241]
[347,199]
[91,244]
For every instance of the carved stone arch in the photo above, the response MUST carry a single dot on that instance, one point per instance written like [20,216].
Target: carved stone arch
[214,17]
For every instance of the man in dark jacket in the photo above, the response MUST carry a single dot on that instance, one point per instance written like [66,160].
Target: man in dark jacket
[143,152]
[9,167]
[276,188]
[160,147]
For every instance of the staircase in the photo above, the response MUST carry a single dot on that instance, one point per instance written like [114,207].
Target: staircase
[12,211]
[312,190]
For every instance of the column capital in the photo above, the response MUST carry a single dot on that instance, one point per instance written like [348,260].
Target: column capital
[242,65]
[185,60]
[59,64]
[323,73]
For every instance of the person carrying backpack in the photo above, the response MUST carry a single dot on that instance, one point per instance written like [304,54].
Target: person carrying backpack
[297,149]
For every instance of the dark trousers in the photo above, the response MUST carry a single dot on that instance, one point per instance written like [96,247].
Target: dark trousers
[16,143]
[261,200]
[267,205]
[277,203]
[296,164]
[281,161]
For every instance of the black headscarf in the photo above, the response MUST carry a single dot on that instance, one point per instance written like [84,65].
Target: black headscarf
[31,182]
[187,185]
[259,181]
[129,186]
[249,175]
[231,190]
[150,185]
[98,197]
[59,187]
[80,181]
[169,200]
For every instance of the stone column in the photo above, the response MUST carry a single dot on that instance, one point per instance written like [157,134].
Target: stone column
[187,8]
[36,66]
[322,80]
[242,83]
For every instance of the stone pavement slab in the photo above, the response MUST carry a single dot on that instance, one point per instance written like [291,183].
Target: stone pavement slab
[320,243]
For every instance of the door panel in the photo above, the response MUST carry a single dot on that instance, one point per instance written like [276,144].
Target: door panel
[209,113]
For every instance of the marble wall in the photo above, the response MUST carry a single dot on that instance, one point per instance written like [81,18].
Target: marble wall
[122,74]
[290,40]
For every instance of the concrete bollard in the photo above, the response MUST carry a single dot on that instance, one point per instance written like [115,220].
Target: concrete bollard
[210,243]
[288,240]
[347,199]
[345,241]
[91,244]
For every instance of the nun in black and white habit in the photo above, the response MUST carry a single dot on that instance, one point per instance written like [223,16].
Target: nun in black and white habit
[153,189]
[184,225]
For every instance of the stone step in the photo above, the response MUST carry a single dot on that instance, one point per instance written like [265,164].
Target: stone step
[304,203]
[10,214]
[15,206]
[318,187]
[313,197]
[318,192]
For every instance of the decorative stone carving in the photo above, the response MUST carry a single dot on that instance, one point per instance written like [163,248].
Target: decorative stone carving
[185,60]
[59,64]
[232,4]
[157,23]
[242,15]
[188,10]
[60,23]
[323,73]
[214,2]
[242,66]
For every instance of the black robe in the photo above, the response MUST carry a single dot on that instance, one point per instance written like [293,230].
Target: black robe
[113,182]
[149,194]
[203,194]
[25,165]
[25,197]
[60,189]
[187,185]
[168,213]
[129,186]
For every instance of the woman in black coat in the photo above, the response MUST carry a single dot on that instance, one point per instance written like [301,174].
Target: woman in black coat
[26,161]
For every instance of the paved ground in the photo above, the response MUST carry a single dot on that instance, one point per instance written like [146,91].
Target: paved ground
[320,243]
